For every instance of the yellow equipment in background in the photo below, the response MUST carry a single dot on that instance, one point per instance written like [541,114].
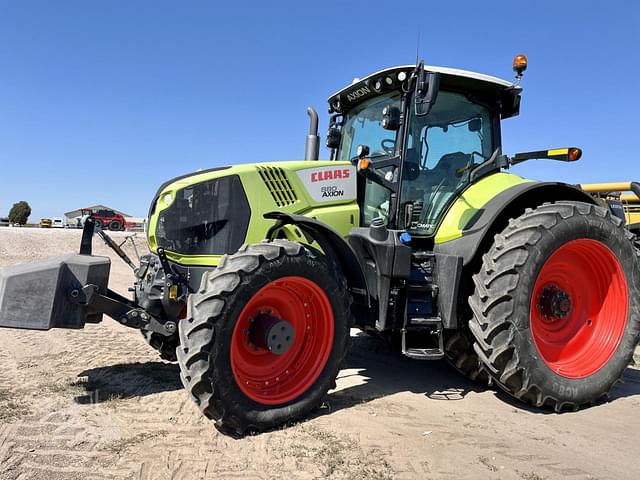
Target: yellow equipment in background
[627,193]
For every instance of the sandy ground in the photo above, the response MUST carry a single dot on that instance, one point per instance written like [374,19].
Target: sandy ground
[99,403]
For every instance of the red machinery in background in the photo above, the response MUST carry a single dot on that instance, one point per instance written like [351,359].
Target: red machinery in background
[105,219]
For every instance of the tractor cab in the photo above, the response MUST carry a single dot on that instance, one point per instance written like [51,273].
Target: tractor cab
[420,136]
[417,133]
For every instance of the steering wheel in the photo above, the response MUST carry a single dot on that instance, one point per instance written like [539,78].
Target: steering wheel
[388,145]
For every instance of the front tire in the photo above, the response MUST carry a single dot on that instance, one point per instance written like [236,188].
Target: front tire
[241,383]
[556,313]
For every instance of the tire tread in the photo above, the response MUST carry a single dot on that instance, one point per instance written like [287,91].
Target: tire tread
[493,304]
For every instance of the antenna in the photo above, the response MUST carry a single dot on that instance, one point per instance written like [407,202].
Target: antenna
[418,48]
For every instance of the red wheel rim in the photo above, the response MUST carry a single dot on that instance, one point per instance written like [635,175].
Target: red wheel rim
[272,379]
[579,308]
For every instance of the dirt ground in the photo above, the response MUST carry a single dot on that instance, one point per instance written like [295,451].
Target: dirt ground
[99,403]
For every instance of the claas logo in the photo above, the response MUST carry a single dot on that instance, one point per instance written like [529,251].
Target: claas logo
[329,175]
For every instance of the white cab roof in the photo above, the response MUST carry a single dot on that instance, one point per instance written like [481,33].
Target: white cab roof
[455,72]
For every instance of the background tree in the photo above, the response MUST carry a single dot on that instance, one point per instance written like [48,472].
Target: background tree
[19,213]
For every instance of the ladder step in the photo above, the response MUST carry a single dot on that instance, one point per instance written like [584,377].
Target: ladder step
[424,353]
[423,321]
[421,256]
[430,353]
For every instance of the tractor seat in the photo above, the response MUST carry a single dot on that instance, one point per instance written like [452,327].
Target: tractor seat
[444,179]
[448,166]
[445,176]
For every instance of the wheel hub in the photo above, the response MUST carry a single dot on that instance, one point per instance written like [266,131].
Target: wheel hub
[579,308]
[554,303]
[271,333]
[274,371]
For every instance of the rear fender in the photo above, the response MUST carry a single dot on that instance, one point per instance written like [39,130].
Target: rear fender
[479,230]
[510,203]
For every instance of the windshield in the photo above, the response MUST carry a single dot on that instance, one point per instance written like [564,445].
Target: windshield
[363,126]
[442,149]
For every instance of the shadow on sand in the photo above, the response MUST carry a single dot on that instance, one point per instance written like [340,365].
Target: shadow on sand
[385,372]
[380,372]
[127,380]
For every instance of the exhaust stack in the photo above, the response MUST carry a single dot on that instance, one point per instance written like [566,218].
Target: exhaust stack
[312,145]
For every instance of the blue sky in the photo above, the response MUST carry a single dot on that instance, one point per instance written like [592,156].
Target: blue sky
[101,101]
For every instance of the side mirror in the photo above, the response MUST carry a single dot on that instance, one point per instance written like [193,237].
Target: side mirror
[391,117]
[333,136]
[427,87]
[475,125]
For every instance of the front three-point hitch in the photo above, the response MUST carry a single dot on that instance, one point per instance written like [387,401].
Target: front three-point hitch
[71,290]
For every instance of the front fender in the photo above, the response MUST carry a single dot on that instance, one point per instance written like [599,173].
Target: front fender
[331,243]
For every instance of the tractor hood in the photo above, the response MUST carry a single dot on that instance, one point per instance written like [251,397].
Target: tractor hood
[213,212]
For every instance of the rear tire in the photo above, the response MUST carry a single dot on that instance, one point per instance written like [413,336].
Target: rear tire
[98,224]
[460,354]
[556,312]
[248,388]
[115,226]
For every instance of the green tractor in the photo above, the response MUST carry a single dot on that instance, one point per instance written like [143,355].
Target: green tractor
[413,231]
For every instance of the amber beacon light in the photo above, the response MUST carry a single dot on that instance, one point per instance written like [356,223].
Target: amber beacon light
[519,64]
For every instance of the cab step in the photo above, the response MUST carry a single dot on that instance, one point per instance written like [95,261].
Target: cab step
[427,330]
[430,322]
[424,353]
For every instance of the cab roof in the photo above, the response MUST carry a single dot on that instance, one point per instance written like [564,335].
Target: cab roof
[506,93]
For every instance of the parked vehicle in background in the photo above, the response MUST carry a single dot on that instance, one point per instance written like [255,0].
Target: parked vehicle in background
[57,222]
[105,219]
[4,222]
[45,223]
[73,222]
[135,225]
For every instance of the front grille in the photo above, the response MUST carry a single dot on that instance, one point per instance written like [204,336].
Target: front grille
[206,218]
[278,185]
